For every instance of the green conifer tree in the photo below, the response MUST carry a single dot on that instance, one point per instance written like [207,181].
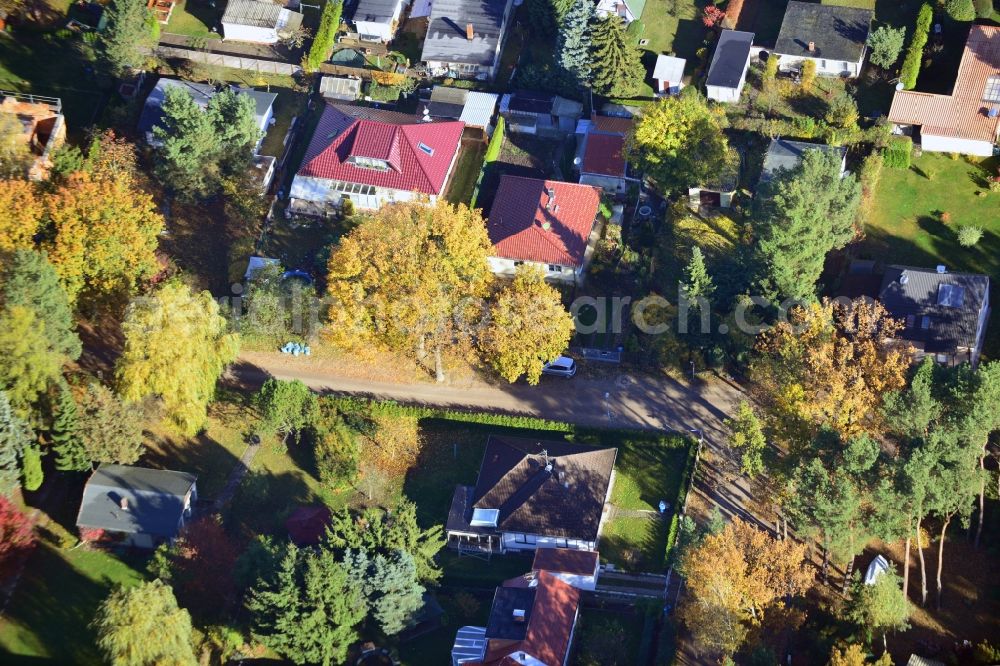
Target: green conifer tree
[575,41]
[71,455]
[617,63]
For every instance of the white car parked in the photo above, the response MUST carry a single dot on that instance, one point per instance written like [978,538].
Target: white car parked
[563,366]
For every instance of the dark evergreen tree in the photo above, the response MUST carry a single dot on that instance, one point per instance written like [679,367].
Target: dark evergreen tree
[697,282]
[31,281]
[71,455]
[617,63]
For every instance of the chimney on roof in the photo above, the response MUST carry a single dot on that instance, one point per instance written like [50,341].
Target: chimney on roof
[551,192]
[942,269]
[123,504]
[469,31]
[812,47]
[519,615]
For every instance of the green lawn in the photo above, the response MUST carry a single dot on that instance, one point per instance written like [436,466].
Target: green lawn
[906,225]
[48,617]
[195,19]
[463,178]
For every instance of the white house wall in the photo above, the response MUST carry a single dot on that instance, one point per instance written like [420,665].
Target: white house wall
[607,183]
[824,67]
[379,31]
[578,581]
[508,267]
[950,144]
[249,33]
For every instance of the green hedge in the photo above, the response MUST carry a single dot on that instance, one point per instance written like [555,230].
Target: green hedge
[899,152]
[326,35]
[492,153]
[686,483]
[915,52]
[857,4]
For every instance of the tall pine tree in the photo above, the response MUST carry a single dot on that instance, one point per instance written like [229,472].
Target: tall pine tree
[15,436]
[698,283]
[575,41]
[71,455]
[618,70]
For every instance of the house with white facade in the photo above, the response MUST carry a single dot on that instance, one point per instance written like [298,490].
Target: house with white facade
[465,37]
[377,20]
[258,21]
[373,157]
[152,111]
[627,10]
[967,121]
[533,494]
[579,568]
[728,71]
[833,37]
[545,223]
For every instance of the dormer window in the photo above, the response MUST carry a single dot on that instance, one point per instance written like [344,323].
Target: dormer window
[370,163]
[424,148]
[484,517]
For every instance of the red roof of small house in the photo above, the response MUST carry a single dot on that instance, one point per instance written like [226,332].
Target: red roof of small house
[419,155]
[604,155]
[550,626]
[307,524]
[544,221]
[566,560]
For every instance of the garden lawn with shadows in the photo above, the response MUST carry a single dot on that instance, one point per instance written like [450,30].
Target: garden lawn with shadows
[916,214]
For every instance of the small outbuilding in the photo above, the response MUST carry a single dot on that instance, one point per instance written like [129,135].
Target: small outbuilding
[377,20]
[668,73]
[833,37]
[344,88]
[728,71]
[258,21]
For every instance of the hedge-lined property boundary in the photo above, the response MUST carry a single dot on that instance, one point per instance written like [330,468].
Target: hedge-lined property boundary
[492,153]
[915,52]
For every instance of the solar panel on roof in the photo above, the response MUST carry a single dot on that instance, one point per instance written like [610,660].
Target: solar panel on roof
[992,90]
[951,296]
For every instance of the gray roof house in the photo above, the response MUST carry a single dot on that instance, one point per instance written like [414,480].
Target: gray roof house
[544,114]
[944,314]
[143,507]
[201,93]
[464,38]
[728,71]
[833,37]
[377,20]
[532,494]
[786,154]
[340,87]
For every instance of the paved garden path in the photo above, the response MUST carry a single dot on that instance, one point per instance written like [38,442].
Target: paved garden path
[235,476]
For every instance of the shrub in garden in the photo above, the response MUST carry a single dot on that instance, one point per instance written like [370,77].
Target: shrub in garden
[970,235]
[808,74]
[842,111]
[899,152]
[961,10]
[984,8]
[326,35]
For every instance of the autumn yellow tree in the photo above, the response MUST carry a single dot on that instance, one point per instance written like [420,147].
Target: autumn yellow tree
[734,578]
[854,655]
[176,347]
[830,364]
[103,235]
[21,213]
[409,278]
[528,327]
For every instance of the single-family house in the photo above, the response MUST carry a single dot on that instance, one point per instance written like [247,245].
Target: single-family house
[968,120]
[668,72]
[544,114]
[627,10]
[136,506]
[728,71]
[475,109]
[530,625]
[344,88]
[600,153]
[377,20]
[373,157]
[944,314]
[40,127]
[787,154]
[546,223]
[464,38]
[833,37]
[152,111]
[258,21]
[533,494]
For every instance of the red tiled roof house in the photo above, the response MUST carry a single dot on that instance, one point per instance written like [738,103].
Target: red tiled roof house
[601,155]
[372,158]
[545,223]
[968,120]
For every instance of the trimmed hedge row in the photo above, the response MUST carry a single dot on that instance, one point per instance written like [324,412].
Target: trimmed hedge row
[492,153]
[915,52]
[898,153]
[687,480]
[326,35]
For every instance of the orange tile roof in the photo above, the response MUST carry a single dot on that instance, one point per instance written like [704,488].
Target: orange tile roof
[963,113]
